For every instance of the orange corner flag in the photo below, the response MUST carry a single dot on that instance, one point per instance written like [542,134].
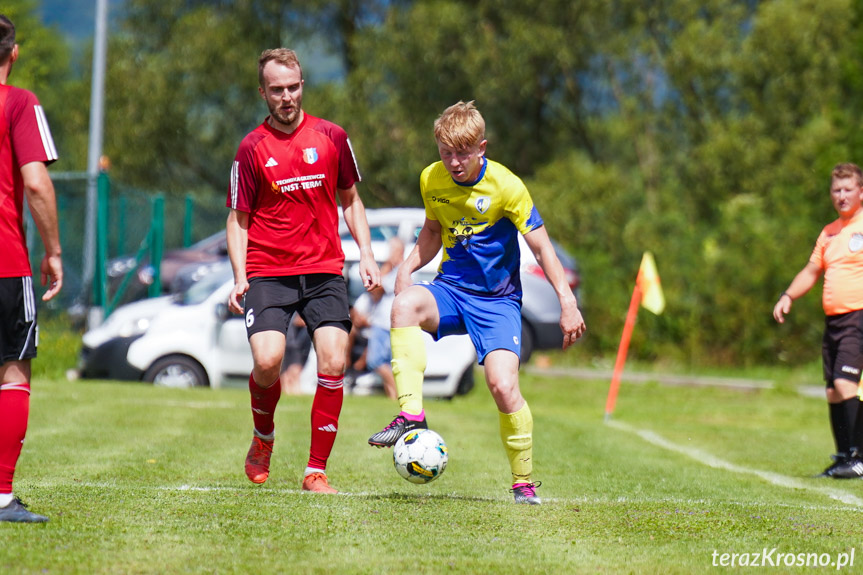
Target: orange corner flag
[647,292]
[652,298]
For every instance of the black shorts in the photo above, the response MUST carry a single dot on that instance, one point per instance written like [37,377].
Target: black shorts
[842,347]
[19,334]
[320,299]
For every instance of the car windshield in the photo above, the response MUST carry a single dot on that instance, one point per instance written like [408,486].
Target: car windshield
[203,288]
[380,233]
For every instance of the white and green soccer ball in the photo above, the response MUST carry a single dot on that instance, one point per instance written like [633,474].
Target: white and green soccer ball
[420,456]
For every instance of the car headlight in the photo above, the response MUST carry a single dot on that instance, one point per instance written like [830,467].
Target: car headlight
[146,275]
[134,327]
[120,266]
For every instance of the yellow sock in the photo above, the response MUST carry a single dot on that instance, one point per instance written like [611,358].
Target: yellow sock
[409,364]
[516,431]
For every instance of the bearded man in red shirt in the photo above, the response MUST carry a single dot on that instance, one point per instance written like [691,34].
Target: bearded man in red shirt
[286,254]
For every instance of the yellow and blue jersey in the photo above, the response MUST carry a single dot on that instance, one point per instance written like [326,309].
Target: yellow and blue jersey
[480,222]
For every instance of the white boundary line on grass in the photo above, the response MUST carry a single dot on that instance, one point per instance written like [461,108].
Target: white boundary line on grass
[713,461]
[105,485]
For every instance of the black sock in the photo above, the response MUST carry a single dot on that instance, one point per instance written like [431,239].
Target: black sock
[856,431]
[841,427]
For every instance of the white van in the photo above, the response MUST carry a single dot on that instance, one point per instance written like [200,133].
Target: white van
[191,339]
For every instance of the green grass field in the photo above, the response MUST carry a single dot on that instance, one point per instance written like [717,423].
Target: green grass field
[137,479]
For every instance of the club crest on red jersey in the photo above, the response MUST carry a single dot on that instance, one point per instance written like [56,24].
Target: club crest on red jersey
[310,155]
[856,243]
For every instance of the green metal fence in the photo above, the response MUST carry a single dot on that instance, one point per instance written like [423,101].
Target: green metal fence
[131,223]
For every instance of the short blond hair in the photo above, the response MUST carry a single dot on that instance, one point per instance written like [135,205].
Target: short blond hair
[460,126]
[847,170]
[283,56]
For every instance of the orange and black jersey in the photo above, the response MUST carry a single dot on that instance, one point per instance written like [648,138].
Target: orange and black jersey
[839,253]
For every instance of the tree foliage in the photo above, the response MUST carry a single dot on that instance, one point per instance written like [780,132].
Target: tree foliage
[182,81]
[43,66]
[703,131]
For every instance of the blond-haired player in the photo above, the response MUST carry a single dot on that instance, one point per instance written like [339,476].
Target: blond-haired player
[475,209]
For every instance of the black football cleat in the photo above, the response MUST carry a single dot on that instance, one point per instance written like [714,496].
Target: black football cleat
[388,436]
[838,461]
[852,468]
[16,512]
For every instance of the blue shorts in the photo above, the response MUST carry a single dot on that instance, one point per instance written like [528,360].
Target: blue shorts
[378,351]
[492,322]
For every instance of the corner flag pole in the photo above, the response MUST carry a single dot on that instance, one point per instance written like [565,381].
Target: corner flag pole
[631,316]
[648,293]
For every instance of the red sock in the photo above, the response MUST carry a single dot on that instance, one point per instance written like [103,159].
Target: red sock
[264,400]
[14,411]
[326,408]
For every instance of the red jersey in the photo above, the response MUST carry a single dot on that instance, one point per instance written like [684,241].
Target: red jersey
[287,184]
[24,138]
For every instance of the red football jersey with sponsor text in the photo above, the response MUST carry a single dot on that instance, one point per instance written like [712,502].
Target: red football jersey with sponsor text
[287,183]
[24,138]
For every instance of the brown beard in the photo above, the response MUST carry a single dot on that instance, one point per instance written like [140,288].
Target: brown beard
[283,117]
[286,118]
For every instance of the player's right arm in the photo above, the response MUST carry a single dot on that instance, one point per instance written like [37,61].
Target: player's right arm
[43,206]
[237,228]
[803,282]
[428,244]
[242,192]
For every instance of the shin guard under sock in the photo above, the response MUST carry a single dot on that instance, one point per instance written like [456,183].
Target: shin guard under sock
[14,412]
[516,432]
[409,364]
[264,401]
[326,408]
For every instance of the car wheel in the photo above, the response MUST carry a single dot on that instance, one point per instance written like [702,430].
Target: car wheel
[527,339]
[465,384]
[178,371]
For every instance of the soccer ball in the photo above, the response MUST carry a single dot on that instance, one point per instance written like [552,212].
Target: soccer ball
[420,456]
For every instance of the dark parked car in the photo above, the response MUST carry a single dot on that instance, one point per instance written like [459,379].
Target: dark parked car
[180,268]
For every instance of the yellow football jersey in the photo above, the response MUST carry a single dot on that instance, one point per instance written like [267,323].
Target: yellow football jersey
[480,222]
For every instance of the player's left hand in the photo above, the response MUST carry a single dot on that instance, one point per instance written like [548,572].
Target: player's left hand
[572,325]
[370,272]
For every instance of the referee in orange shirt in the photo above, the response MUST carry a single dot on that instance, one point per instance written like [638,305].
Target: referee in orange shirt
[838,255]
